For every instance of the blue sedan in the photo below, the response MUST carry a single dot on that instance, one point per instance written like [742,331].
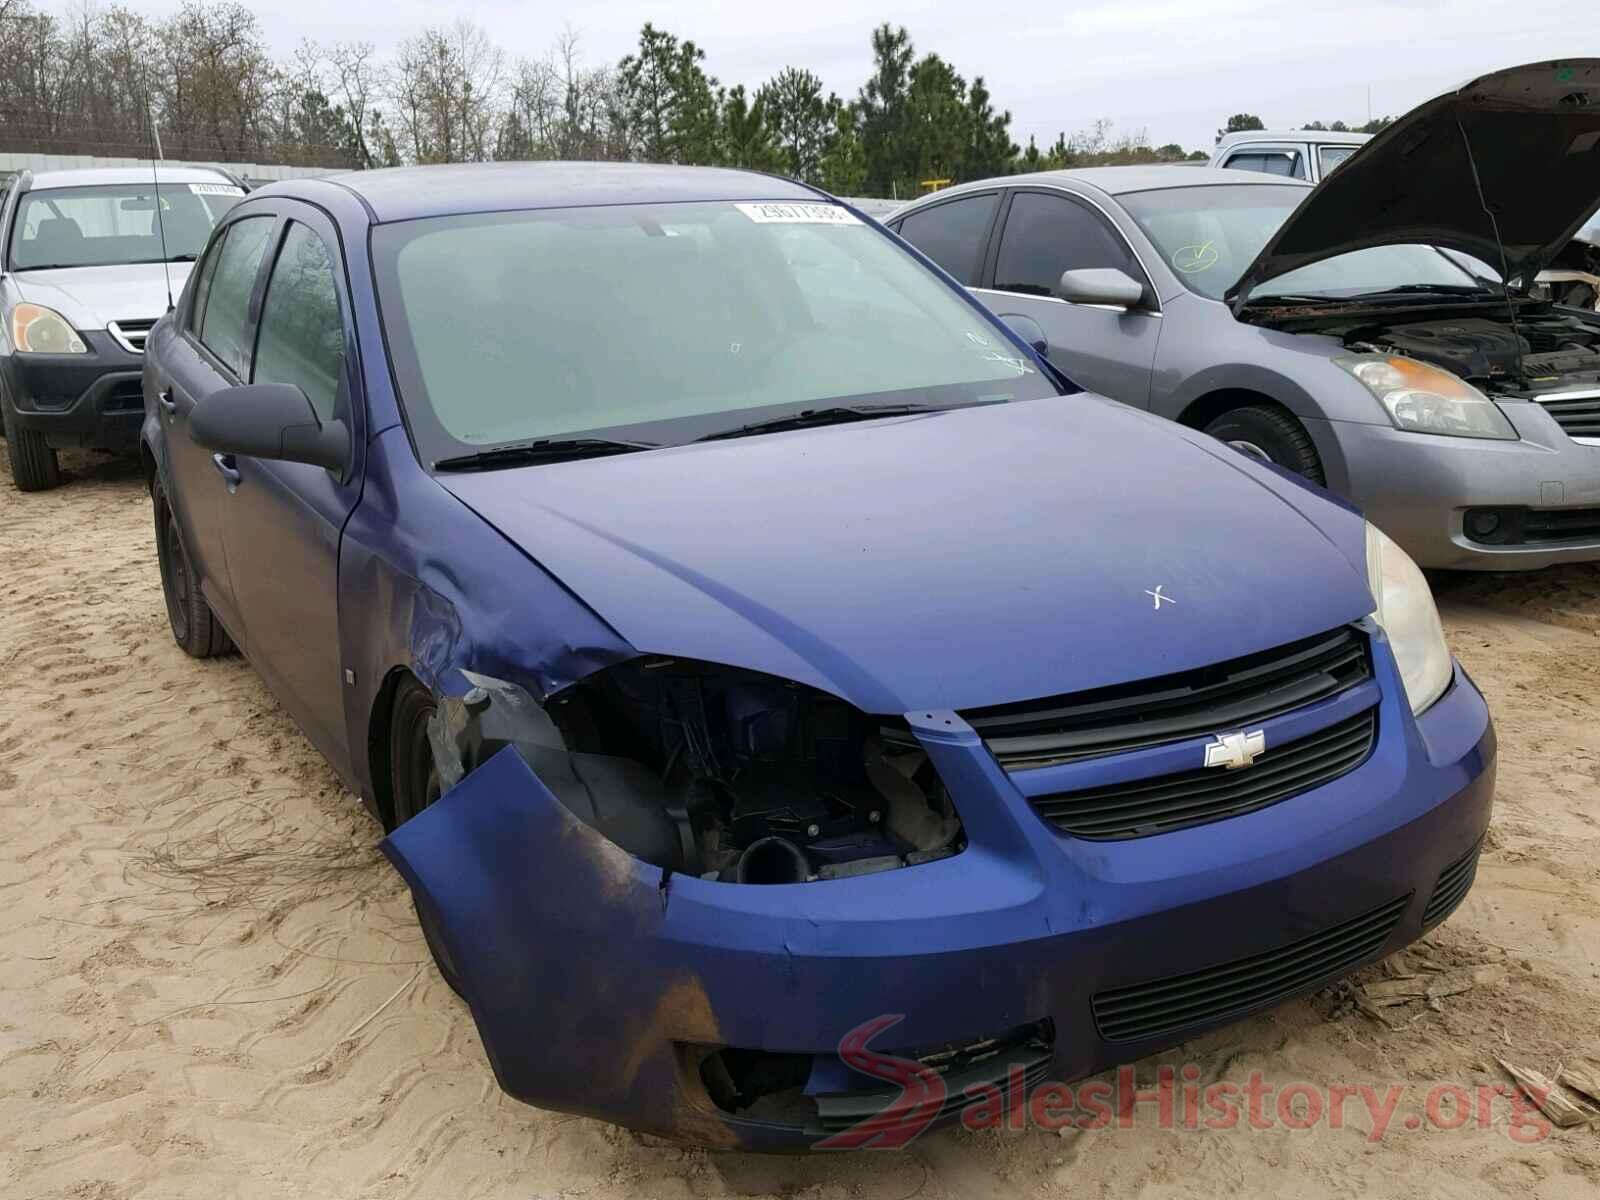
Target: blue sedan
[796,709]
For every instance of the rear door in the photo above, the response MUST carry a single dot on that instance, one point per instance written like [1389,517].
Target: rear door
[1044,232]
[283,521]
[209,353]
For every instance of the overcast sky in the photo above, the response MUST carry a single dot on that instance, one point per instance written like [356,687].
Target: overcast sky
[1173,69]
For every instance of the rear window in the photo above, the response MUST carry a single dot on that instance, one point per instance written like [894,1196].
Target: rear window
[116,223]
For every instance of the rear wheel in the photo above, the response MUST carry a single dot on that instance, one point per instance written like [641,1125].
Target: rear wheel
[1270,433]
[34,467]
[414,786]
[198,633]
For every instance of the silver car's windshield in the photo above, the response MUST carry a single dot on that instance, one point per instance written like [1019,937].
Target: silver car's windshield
[1209,235]
[665,322]
[106,224]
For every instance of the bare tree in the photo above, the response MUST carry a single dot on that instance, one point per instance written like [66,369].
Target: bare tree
[446,87]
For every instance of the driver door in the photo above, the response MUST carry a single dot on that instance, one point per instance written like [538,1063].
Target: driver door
[1105,349]
[282,521]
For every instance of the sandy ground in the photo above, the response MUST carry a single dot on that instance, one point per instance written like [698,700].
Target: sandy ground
[213,986]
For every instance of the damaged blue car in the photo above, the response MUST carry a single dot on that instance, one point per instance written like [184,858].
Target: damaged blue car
[796,709]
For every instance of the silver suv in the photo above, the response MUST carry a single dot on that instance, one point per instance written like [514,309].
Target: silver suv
[1309,154]
[86,271]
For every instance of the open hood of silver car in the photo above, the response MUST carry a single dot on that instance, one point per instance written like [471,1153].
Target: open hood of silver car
[1533,133]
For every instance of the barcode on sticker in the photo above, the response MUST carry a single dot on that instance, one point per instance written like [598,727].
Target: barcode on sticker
[798,214]
[215,189]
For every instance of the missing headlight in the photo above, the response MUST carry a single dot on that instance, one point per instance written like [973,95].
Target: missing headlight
[716,771]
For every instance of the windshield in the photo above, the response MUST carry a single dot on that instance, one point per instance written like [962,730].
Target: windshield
[116,223]
[665,322]
[1209,235]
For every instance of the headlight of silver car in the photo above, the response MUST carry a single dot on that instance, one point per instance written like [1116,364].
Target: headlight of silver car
[1409,618]
[36,329]
[1428,399]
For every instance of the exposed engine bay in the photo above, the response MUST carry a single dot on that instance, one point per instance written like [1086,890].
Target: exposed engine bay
[720,772]
[1558,350]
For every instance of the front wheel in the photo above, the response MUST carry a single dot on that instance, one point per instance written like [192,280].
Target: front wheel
[414,785]
[1270,433]
[34,466]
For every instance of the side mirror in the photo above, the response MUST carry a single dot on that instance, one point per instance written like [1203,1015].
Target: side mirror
[1028,330]
[1099,285]
[269,420]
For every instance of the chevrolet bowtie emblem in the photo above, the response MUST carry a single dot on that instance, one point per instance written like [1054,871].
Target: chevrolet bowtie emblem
[1233,750]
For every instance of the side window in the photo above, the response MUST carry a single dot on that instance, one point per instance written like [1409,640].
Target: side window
[301,339]
[225,321]
[953,234]
[202,282]
[1046,235]
[1271,162]
[1330,157]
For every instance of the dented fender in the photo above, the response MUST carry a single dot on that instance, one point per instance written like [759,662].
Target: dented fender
[405,606]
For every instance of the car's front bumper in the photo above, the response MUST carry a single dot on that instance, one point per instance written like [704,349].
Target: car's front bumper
[92,399]
[1419,488]
[598,985]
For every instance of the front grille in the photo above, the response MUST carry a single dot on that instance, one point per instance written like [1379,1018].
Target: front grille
[1142,807]
[966,1070]
[1579,416]
[1040,733]
[126,396]
[1454,883]
[1165,1006]
[131,334]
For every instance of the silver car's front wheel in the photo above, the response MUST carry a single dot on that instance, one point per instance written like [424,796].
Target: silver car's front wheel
[1271,433]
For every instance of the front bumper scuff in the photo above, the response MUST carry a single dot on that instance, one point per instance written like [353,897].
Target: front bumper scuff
[594,977]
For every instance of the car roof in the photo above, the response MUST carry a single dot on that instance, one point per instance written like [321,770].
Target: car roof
[96,176]
[1347,137]
[406,193]
[1116,181]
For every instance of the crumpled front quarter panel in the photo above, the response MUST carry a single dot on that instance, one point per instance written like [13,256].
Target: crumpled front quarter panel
[551,928]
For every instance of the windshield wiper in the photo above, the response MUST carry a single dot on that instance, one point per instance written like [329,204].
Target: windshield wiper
[1427,289]
[1268,299]
[543,450]
[838,414]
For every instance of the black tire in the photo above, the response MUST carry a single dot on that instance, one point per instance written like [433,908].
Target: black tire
[413,779]
[34,467]
[414,785]
[1269,432]
[196,630]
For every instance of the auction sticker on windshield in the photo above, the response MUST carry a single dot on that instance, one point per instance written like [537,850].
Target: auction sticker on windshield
[798,214]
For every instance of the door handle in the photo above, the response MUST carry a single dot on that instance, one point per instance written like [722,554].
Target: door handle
[164,398]
[226,467]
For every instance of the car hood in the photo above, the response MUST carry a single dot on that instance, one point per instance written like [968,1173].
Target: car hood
[968,557]
[1534,133]
[88,297]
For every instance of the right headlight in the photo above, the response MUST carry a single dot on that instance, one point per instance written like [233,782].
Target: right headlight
[36,329]
[1428,399]
[1410,619]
